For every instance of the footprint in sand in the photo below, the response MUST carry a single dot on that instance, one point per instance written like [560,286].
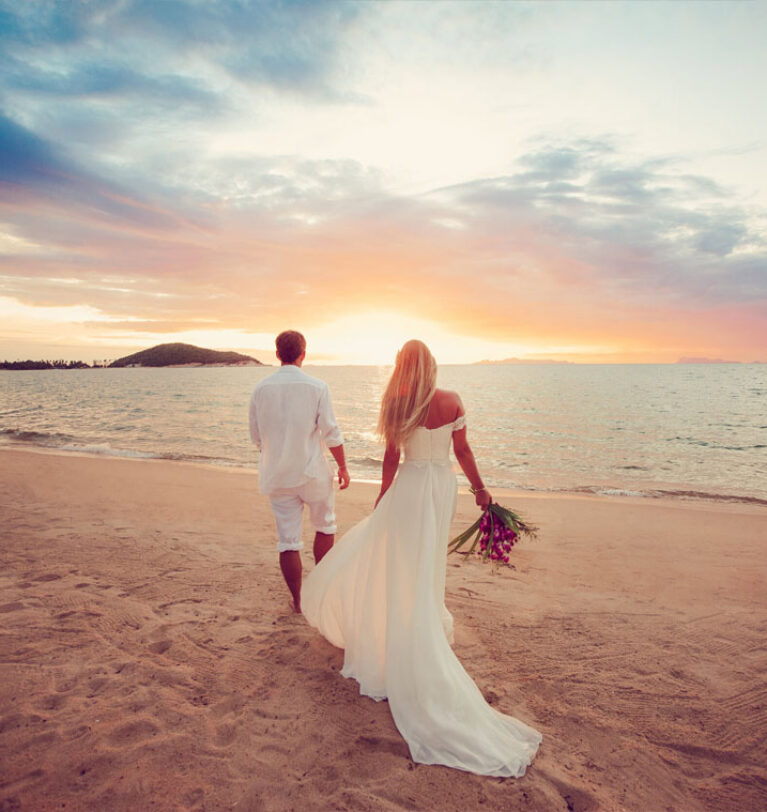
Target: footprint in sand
[11,721]
[96,685]
[577,799]
[225,734]
[133,732]
[396,747]
[19,783]
[51,702]
[160,647]
[11,607]
[194,797]
[77,732]
[229,706]
[50,576]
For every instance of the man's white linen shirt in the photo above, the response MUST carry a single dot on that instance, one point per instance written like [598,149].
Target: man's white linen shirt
[290,417]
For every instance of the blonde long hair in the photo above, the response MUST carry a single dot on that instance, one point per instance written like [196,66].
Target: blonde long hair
[408,393]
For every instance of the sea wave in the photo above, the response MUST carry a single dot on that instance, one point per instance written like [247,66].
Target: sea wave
[366,462]
[65,443]
[106,450]
[42,438]
[22,410]
[360,469]
[550,430]
[663,493]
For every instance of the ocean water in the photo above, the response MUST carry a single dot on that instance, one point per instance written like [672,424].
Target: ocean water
[691,431]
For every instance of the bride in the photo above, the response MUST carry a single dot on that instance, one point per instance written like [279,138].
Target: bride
[379,593]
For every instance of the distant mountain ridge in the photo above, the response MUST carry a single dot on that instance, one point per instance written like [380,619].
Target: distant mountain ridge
[171,355]
[704,360]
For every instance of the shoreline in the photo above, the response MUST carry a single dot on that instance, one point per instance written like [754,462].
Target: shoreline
[150,656]
[596,491]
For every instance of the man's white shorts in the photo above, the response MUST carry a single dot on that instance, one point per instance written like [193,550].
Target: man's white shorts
[288,508]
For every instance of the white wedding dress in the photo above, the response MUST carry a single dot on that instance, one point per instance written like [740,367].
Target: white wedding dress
[379,595]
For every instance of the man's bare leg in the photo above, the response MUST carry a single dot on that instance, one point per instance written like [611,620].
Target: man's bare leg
[290,564]
[322,544]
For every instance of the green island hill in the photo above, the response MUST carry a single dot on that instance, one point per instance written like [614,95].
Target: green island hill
[163,355]
[175,355]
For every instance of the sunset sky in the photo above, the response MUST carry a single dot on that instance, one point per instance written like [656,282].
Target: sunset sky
[582,181]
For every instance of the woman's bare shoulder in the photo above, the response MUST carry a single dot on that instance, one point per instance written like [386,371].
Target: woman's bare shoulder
[449,401]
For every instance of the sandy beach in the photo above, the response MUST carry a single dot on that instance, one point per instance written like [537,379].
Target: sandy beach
[149,659]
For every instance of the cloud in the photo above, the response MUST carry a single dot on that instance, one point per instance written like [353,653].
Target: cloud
[34,170]
[288,44]
[648,227]
[36,23]
[114,172]
[108,79]
[574,245]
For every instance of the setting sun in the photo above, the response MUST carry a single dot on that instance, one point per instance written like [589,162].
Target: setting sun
[376,336]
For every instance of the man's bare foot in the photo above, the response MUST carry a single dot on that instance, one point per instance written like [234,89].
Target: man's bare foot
[294,607]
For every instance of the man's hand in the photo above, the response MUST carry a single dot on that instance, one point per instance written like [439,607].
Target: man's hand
[343,474]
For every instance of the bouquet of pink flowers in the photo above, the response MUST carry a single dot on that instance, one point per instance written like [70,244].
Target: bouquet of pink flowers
[496,531]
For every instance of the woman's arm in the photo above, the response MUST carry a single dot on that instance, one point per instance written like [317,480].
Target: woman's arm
[465,457]
[389,468]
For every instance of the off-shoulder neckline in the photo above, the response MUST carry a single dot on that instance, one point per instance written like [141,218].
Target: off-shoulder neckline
[444,425]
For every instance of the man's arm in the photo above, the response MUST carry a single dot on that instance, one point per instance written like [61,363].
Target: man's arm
[326,421]
[332,436]
[255,437]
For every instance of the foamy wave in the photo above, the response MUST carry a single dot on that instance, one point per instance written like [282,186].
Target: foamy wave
[713,497]
[106,450]
[661,493]
[68,444]
[617,492]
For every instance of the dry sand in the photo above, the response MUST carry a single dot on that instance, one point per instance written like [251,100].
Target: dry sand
[149,661]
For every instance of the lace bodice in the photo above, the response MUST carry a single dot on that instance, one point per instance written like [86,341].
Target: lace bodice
[432,445]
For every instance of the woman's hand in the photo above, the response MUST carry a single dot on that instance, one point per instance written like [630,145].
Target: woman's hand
[483,498]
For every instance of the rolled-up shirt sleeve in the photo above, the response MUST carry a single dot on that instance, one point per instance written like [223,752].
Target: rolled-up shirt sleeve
[326,421]
[253,422]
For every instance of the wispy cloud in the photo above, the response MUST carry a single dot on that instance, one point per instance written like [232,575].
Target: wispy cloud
[575,232]
[34,171]
[648,227]
[116,47]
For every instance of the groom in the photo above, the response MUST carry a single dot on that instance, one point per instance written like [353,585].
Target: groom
[290,417]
